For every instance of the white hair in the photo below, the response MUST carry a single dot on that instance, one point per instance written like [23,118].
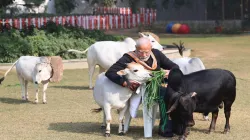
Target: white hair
[142,41]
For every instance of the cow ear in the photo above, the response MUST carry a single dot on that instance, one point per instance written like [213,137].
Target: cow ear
[175,78]
[122,72]
[141,34]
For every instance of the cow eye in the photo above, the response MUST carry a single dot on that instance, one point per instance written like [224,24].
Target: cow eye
[39,70]
[135,70]
[147,34]
[153,41]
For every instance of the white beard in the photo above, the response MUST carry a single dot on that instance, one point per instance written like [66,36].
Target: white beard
[145,59]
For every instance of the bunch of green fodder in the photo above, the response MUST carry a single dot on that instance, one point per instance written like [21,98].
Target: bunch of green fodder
[153,88]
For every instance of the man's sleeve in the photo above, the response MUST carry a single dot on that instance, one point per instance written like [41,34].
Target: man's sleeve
[165,62]
[119,65]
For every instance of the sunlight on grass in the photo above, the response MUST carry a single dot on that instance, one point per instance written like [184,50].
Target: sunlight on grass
[68,112]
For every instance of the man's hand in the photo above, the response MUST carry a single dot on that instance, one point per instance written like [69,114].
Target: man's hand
[132,85]
[167,72]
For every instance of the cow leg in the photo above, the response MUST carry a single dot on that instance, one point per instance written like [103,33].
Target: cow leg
[127,120]
[227,112]
[91,72]
[107,109]
[121,117]
[37,90]
[185,134]
[26,90]
[214,118]
[22,83]
[104,120]
[45,86]
[191,121]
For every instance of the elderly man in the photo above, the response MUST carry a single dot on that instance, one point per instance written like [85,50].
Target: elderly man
[151,59]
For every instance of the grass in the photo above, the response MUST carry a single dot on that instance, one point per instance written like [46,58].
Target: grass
[68,112]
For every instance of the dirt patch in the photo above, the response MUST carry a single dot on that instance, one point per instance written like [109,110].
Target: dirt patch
[206,54]
[2,72]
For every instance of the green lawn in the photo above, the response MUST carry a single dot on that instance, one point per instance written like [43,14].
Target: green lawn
[68,112]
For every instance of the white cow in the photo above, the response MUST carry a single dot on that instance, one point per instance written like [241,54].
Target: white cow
[106,53]
[109,95]
[32,69]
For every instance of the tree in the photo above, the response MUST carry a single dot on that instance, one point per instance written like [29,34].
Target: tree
[35,2]
[64,6]
[4,3]
[107,3]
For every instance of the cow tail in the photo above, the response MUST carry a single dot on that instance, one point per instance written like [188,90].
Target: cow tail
[97,110]
[180,47]
[234,78]
[1,80]
[77,51]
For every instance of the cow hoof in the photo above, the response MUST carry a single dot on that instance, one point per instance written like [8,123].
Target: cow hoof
[210,131]
[226,132]
[107,134]
[44,102]
[182,138]
[103,127]
[187,133]
[91,88]
[121,134]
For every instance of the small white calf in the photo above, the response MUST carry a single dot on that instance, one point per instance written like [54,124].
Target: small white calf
[32,69]
[106,53]
[188,65]
[109,95]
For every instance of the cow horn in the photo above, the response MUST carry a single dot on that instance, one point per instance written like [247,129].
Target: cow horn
[193,94]
[173,107]
[140,34]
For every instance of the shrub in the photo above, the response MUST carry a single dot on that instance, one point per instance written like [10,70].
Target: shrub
[49,41]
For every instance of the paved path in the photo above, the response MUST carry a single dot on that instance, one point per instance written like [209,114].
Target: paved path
[82,63]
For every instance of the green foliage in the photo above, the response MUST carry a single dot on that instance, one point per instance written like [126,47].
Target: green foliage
[35,2]
[12,46]
[4,3]
[64,6]
[133,4]
[108,3]
[49,41]
[151,3]
[153,88]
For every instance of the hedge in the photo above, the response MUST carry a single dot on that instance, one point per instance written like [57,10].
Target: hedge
[48,41]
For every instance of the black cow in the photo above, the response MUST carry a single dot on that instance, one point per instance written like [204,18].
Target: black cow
[202,92]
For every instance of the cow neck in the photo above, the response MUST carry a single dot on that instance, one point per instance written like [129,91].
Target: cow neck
[137,60]
[52,71]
